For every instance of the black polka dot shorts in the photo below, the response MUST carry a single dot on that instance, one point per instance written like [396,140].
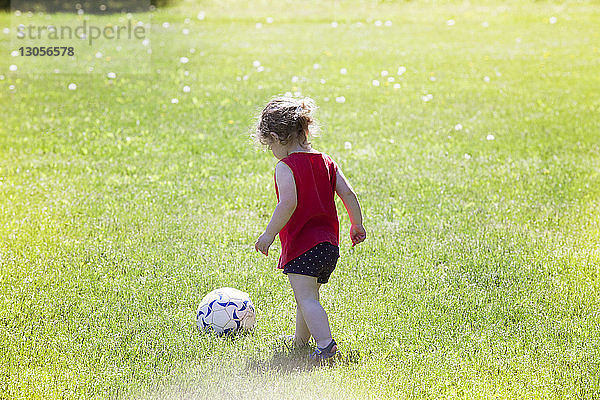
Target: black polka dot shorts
[319,262]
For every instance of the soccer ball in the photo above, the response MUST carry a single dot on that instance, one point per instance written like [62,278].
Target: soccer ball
[225,310]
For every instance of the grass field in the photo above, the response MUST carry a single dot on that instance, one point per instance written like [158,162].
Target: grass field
[478,170]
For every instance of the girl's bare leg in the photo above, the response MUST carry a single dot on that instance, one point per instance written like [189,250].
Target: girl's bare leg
[306,292]
[302,335]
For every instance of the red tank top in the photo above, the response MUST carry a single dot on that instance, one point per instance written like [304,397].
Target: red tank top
[315,218]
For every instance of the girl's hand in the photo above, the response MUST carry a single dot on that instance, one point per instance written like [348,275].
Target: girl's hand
[357,234]
[263,243]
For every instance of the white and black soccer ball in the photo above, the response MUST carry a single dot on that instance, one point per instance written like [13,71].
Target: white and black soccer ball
[225,310]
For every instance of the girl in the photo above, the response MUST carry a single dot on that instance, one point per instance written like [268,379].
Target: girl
[305,216]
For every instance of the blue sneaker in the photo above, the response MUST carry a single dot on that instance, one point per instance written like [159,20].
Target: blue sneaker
[326,353]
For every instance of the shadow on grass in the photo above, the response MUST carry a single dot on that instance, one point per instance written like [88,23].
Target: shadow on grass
[287,359]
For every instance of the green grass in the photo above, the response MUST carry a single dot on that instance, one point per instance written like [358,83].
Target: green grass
[480,274]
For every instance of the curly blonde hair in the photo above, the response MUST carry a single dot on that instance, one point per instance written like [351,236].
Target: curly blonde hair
[288,119]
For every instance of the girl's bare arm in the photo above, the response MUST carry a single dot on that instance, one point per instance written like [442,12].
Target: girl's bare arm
[288,201]
[350,200]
